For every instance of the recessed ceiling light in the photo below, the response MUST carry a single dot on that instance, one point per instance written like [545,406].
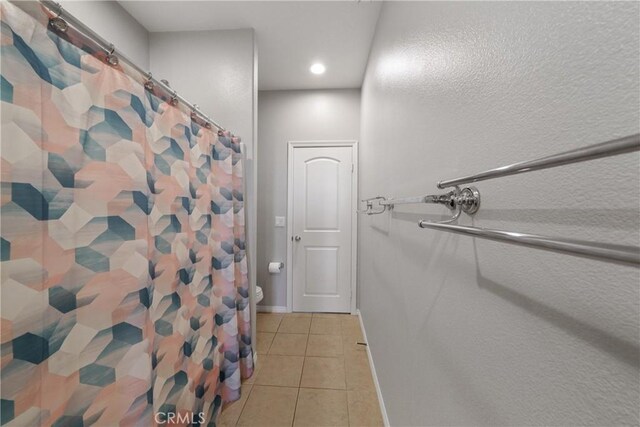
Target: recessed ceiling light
[318,68]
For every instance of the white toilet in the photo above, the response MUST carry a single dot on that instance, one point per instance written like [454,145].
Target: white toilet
[259,294]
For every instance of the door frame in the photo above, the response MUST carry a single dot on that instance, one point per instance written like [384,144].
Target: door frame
[354,214]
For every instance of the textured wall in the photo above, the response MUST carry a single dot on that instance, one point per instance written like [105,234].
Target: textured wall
[213,69]
[296,115]
[472,332]
[114,24]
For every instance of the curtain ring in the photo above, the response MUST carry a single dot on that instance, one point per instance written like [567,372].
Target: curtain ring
[174,99]
[149,83]
[57,23]
[111,58]
[59,10]
[208,125]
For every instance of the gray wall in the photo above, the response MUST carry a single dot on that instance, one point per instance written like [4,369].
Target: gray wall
[213,69]
[283,116]
[113,23]
[218,71]
[472,332]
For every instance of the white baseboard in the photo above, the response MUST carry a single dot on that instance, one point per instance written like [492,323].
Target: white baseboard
[383,409]
[271,309]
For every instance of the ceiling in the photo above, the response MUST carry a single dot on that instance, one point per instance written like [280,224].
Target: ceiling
[291,35]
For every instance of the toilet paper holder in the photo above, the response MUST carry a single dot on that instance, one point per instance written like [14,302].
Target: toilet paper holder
[275,267]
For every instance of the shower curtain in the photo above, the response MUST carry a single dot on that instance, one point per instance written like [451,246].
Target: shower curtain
[125,298]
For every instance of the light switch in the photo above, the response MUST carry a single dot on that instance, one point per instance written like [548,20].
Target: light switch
[280,221]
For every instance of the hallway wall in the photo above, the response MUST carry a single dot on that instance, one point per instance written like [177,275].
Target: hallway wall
[471,332]
[283,116]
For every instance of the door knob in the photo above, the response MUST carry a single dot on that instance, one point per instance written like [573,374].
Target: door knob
[297,238]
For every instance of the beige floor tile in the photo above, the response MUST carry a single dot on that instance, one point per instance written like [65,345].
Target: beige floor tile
[323,372]
[282,371]
[231,412]
[330,315]
[355,335]
[349,318]
[364,409]
[357,372]
[327,326]
[299,314]
[324,345]
[321,408]
[350,345]
[289,344]
[263,341]
[268,322]
[295,325]
[269,406]
[351,327]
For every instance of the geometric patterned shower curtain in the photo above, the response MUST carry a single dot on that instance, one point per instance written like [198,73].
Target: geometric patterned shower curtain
[124,277]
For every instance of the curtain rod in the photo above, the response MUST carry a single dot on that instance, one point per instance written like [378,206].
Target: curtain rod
[109,47]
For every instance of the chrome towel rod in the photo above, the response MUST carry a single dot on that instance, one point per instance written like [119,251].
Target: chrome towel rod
[602,251]
[627,144]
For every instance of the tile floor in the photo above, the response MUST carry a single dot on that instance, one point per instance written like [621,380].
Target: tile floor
[310,372]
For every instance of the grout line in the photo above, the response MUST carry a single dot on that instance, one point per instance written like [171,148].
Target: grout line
[304,362]
[295,410]
[278,386]
[346,387]
[308,388]
[306,350]
[324,388]
[338,356]
[290,333]
[243,405]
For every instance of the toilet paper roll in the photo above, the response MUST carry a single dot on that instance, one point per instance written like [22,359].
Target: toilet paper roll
[274,267]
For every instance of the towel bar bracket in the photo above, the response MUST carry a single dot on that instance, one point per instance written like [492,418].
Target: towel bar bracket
[469,200]
[466,200]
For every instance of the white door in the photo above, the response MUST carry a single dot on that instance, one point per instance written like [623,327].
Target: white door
[322,186]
